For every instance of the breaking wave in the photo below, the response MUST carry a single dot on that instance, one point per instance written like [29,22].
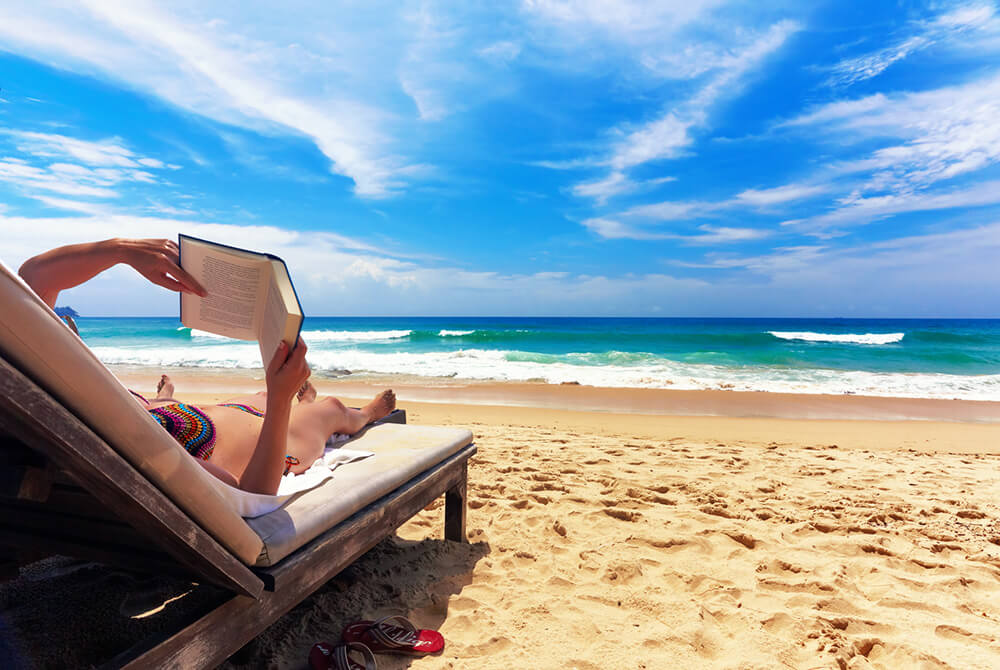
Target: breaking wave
[841,338]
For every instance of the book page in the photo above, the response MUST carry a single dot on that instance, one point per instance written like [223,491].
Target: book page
[272,325]
[282,317]
[234,286]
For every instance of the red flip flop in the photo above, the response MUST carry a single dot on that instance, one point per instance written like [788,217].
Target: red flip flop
[325,656]
[394,635]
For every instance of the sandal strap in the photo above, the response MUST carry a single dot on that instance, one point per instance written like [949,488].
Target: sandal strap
[342,660]
[381,632]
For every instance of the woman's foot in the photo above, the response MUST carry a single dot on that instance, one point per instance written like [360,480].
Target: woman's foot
[165,389]
[307,393]
[381,406]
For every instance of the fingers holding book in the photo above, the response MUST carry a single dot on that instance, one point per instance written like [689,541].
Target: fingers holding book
[159,262]
[288,370]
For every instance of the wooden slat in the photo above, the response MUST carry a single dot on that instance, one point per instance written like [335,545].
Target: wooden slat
[216,636]
[41,423]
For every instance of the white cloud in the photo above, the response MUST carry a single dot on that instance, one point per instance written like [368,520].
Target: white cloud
[248,69]
[665,137]
[723,235]
[962,28]
[612,229]
[105,153]
[671,134]
[643,219]
[707,235]
[614,184]
[857,210]
[643,25]
[43,166]
[938,260]
[500,53]
[338,275]
[778,195]
[945,132]
[669,211]
[853,70]
[33,179]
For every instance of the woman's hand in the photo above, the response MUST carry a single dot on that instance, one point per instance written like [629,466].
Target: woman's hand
[159,262]
[287,372]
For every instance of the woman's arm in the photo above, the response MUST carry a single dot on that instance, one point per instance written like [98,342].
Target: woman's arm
[65,267]
[285,376]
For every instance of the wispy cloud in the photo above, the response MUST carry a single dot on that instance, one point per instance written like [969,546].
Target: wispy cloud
[645,222]
[956,29]
[706,235]
[927,138]
[778,195]
[215,69]
[856,210]
[860,68]
[672,132]
[51,163]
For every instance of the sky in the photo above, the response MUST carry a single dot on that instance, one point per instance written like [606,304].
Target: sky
[542,157]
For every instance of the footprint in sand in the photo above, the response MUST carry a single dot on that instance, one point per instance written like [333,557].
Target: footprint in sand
[622,573]
[622,514]
[742,538]
[715,510]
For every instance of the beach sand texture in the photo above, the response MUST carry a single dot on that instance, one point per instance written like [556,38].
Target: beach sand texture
[604,541]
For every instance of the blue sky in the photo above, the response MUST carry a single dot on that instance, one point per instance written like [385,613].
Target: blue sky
[695,158]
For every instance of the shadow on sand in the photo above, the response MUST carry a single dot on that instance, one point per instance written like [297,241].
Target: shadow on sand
[65,613]
[413,578]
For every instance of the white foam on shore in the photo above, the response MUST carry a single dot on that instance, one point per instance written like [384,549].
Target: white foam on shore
[202,333]
[353,335]
[841,338]
[482,364]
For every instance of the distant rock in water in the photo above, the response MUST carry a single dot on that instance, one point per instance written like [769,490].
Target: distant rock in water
[67,311]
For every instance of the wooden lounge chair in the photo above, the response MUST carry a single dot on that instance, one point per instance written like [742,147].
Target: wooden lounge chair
[83,479]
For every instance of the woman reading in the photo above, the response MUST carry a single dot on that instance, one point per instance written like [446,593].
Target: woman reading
[247,442]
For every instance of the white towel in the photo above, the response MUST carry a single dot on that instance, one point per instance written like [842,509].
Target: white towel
[250,505]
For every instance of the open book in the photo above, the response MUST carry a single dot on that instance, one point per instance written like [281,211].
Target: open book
[250,295]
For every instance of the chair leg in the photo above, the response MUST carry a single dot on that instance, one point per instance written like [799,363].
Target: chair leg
[454,509]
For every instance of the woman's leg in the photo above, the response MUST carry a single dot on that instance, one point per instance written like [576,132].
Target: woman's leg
[306,394]
[312,423]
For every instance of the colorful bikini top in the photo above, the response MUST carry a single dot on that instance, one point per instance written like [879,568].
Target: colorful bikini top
[189,426]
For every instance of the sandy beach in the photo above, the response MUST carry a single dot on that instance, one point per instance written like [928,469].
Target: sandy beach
[613,528]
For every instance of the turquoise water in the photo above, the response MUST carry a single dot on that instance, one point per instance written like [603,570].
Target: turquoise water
[911,358]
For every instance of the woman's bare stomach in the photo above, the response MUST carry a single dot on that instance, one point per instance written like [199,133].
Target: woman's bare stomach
[236,434]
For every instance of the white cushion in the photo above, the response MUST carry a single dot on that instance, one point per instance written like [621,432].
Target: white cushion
[401,453]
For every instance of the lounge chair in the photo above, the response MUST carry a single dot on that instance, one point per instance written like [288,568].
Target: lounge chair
[88,473]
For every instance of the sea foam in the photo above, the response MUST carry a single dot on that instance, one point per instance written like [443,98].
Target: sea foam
[841,338]
[630,371]
[353,335]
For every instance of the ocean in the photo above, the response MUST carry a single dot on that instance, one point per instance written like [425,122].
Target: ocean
[922,358]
